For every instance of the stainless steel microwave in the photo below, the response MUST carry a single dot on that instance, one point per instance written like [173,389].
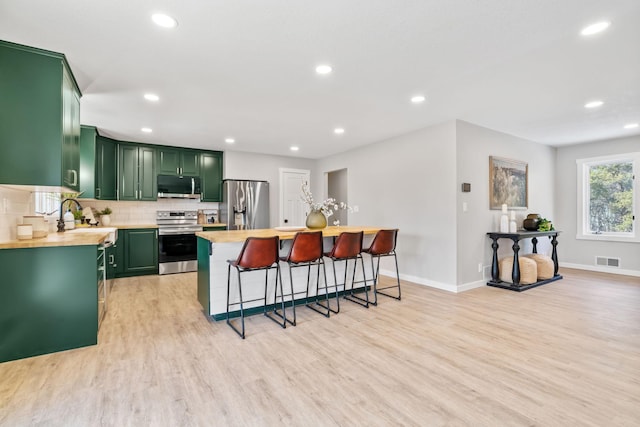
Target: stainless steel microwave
[180,187]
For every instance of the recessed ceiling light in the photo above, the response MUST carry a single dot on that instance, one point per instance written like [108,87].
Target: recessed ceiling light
[151,97]
[324,69]
[229,140]
[418,99]
[294,148]
[593,104]
[163,20]
[146,130]
[338,131]
[631,126]
[595,28]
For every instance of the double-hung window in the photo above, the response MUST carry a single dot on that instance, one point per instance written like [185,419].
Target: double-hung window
[608,197]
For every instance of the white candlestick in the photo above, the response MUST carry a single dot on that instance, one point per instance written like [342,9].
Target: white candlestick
[504,208]
[513,215]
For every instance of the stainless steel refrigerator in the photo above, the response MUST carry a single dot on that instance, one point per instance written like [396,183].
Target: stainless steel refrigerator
[245,204]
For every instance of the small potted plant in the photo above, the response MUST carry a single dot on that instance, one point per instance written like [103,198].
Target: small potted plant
[78,217]
[105,217]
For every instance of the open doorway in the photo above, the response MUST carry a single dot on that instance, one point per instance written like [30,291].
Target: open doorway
[337,188]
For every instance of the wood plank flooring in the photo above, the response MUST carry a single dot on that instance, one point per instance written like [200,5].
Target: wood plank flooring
[564,354]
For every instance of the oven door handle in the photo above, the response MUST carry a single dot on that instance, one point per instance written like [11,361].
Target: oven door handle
[174,231]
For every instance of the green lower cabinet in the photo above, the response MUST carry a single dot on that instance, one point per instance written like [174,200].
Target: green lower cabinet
[140,251]
[115,257]
[48,300]
[214,228]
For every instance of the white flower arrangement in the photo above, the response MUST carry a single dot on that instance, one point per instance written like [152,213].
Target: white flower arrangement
[327,207]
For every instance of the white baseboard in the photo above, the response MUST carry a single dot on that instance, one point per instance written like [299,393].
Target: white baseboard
[600,269]
[433,284]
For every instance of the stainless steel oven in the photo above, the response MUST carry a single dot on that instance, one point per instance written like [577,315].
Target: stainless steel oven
[177,241]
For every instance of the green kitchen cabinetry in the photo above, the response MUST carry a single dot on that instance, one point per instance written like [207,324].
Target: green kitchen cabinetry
[178,162]
[106,178]
[211,176]
[40,120]
[214,227]
[48,300]
[98,165]
[115,258]
[140,251]
[137,171]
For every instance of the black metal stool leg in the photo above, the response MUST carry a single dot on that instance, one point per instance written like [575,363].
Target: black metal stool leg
[397,285]
[282,315]
[351,296]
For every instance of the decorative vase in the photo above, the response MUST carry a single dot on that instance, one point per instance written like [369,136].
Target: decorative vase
[531,222]
[316,220]
[105,219]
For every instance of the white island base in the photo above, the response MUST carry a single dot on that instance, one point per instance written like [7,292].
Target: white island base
[216,247]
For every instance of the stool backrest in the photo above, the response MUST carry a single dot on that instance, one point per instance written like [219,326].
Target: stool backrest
[347,245]
[384,242]
[306,247]
[259,252]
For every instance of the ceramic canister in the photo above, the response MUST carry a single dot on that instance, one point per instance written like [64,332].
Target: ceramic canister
[40,226]
[24,231]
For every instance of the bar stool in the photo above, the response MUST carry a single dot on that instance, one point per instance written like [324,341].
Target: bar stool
[383,244]
[348,246]
[257,253]
[306,251]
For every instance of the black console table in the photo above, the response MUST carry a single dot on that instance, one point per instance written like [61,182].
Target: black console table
[515,273]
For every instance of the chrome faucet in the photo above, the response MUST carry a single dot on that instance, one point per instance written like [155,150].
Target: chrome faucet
[60,220]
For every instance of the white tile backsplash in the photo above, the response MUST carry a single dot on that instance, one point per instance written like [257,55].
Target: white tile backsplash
[14,204]
[131,213]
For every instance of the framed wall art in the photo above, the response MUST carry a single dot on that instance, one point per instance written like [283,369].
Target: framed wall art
[508,183]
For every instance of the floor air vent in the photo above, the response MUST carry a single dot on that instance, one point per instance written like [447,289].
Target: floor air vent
[607,262]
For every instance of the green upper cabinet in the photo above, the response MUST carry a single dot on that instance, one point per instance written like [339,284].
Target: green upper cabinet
[179,162]
[106,161]
[137,172]
[40,120]
[88,136]
[98,165]
[211,176]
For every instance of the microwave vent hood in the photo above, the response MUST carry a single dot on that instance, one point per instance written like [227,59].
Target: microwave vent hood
[178,187]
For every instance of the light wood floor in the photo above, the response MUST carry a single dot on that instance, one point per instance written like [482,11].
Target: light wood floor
[564,354]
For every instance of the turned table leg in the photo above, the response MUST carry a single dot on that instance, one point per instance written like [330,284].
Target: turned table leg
[494,265]
[515,274]
[554,255]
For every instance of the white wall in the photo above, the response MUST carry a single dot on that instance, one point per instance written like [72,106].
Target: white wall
[14,204]
[407,182]
[263,167]
[582,253]
[338,188]
[474,146]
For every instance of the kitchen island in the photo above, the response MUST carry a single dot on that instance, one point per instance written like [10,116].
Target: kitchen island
[216,247]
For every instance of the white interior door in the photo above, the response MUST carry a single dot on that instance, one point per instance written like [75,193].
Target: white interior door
[293,211]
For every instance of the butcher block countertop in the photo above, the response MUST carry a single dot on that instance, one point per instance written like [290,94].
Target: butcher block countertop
[231,236]
[58,239]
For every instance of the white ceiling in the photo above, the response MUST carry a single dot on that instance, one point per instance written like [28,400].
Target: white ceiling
[245,68]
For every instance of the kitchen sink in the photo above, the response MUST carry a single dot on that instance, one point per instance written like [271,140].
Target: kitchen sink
[113,232]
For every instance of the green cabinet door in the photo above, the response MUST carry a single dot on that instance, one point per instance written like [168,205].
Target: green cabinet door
[137,173]
[178,162]
[115,257]
[190,163]
[128,171]
[211,176]
[88,160]
[106,167]
[168,161]
[140,251]
[147,176]
[39,124]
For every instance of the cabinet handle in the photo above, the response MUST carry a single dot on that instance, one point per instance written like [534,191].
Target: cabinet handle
[97,192]
[111,259]
[75,177]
